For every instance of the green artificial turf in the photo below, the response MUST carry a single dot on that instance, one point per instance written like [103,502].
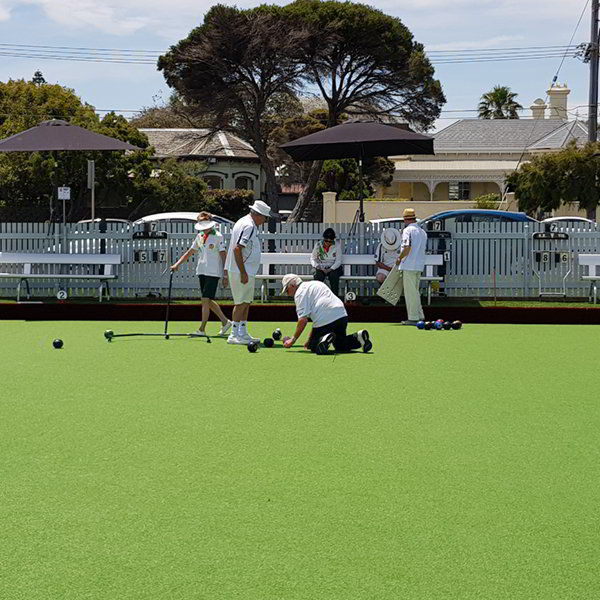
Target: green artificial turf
[446,465]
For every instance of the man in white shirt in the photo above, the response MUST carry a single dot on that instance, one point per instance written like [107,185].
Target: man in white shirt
[411,262]
[315,301]
[241,266]
[387,253]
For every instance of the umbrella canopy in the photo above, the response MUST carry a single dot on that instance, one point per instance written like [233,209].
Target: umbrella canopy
[60,135]
[357,140]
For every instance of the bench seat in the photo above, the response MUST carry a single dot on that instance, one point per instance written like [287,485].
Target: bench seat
[25,263]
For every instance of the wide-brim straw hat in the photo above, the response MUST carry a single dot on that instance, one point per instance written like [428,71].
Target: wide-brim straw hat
[390,238]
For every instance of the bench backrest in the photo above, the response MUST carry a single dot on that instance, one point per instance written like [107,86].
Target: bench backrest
[303,258]
[592,261]
[22,258]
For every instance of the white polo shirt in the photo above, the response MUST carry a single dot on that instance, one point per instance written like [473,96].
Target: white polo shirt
[317,302]
[209,258]
[416,238]
[244,233]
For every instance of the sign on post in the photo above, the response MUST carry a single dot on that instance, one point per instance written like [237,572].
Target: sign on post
[64,193]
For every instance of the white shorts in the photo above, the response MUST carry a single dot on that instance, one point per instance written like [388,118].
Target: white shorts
[243,293]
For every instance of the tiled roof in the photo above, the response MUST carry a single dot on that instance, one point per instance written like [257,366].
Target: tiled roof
[505,135]
[572,130]
[197,142]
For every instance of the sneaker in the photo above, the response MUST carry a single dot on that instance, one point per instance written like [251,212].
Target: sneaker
[324,343]
[225,328]
[248,338]
[364,341]
[199,333]
[232,339]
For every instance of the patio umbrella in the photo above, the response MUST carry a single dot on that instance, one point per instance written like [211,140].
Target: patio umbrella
[57,135]
[359,140]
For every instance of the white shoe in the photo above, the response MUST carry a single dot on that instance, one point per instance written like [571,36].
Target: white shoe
[248,338]
[199,333]
[232,339]
[225,328]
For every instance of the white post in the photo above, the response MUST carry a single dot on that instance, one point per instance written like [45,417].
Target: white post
[91,180]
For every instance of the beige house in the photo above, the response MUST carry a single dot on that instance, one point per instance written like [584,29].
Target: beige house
[472,158]
[228,161]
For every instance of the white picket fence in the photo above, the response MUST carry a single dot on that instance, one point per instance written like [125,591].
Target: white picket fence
[482,260]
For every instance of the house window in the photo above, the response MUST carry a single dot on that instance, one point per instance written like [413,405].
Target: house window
[214,182]
[459,190]
[244,183]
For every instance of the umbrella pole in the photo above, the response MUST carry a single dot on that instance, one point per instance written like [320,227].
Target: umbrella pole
[361,214]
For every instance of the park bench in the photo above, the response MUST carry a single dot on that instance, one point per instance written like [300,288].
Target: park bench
[592,262]
[348,261]
[29,265]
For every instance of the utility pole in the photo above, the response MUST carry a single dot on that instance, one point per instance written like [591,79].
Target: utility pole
[593,57]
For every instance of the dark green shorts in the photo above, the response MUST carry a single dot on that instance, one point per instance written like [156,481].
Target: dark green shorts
[208,286]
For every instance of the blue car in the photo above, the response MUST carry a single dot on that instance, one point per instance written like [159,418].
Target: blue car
[473,215]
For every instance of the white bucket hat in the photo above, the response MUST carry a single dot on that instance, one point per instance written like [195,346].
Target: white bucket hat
[204,225]
[289,279]
[390,238]
[262,208]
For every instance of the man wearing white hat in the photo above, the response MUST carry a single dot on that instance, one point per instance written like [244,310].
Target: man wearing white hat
[387,253]
[211,248]
[411,262]
[241,266]
[315,301]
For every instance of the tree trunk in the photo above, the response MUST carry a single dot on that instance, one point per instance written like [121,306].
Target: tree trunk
[305,197]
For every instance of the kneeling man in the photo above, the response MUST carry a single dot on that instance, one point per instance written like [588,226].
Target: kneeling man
[316,301]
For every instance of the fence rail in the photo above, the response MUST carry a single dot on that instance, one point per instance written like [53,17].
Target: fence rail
[482,259]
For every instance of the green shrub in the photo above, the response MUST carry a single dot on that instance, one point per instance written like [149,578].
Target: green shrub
[488,201]
[231,204]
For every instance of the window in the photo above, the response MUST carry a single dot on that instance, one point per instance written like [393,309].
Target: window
[214,182]
[244,183]
[459,190]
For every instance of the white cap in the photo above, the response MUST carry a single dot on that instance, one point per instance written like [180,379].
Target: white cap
[290,279]
[262,208]
[204,225]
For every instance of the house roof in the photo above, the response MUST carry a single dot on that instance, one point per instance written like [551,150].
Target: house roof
[507,135]
[456,165]
[197,142]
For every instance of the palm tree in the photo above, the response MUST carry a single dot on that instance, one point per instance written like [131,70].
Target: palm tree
[500,103]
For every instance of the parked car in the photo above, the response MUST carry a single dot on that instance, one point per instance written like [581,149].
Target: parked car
[564,223]
[178,217]
[471,215]
[390,222]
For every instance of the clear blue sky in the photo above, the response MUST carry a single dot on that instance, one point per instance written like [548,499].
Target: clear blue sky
[154,25]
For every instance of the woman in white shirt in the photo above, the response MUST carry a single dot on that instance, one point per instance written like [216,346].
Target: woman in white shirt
[326,259]
[211,248]
[387,253]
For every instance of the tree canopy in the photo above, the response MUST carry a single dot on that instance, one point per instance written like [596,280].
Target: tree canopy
[499,103]
[243,70]
[123,181]
[553,179]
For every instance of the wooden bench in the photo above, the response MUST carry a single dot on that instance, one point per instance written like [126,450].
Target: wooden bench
[29,265]
[592,262]
[348,261]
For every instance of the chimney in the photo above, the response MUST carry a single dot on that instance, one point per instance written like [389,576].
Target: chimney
[558,101]
[538,109]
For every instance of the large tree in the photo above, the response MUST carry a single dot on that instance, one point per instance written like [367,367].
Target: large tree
[123,181]
[243,68]
[567,177]
[365,64]
[240,70]
[499,103]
